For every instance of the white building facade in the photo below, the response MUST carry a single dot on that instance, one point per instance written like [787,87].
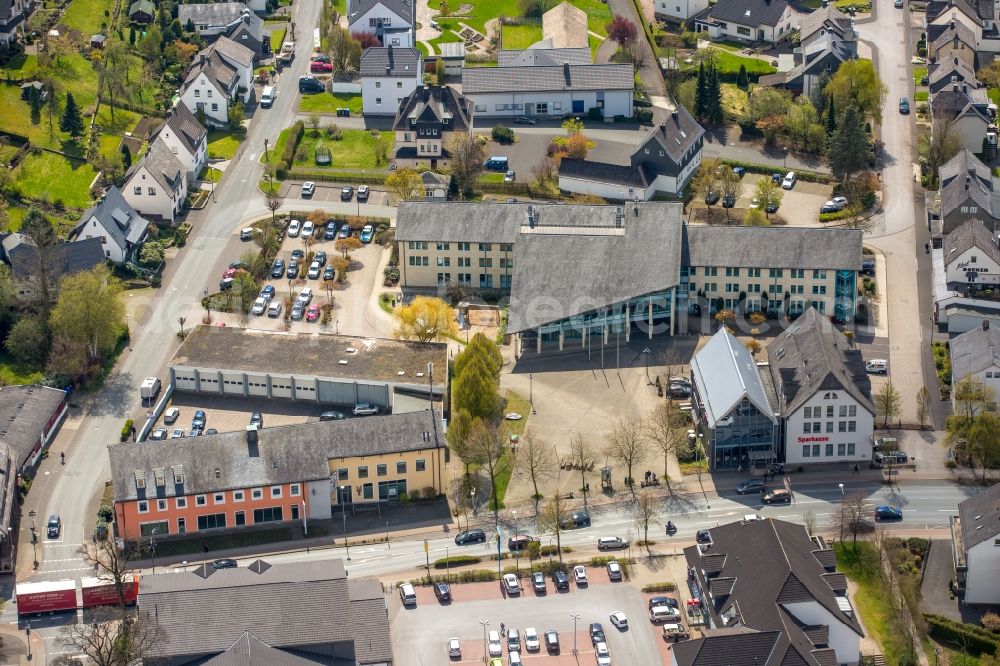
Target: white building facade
[678,10]
[830,427]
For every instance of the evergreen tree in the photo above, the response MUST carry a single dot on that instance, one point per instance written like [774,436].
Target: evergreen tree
[831,118]
[189,26]
[131,35]
[126,157]
[713,96]
[35,99]
[849,147]
[742,80]
[701,93]
[72,121]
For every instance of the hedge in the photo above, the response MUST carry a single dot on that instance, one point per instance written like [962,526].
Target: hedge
[833,217]
[288,154]
[360,177]
[660,587]
[466,576]
[966,637]
[456,561]
[807,176]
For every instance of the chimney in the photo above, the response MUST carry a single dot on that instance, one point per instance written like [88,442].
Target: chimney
[427,93]
[952,24]
[253,445]
[566,72]
[986,324]
[531,217]
[619,217]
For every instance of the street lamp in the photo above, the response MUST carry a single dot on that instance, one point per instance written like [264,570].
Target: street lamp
[575,616]
[531,391]
[34,538]
[517,551]
[841,489]
[152,546]
[646,352]
[343,517]
[473,507]
[486,650]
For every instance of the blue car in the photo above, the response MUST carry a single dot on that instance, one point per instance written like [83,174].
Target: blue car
[320,257]
[267,292]
[198,422]
[331,231]
[367,233]
[328,273]
[886,512]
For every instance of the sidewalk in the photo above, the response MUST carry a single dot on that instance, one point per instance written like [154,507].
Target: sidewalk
[15,647]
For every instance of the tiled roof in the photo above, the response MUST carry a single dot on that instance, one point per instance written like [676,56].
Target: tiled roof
[434,104]
[603,172]
[566,26]
[964,186]
[567,77]
[211,13]
[232,50]
[974,351]
[186,128]
[389,61]
[543,56]
[749,12]
[24,412]
[980,514]
[787,247]
[676,134]
[122,223]
[401,8]
[827,17]
[724,373]
[969,234]
[145,6]
[162,165]
[62,259]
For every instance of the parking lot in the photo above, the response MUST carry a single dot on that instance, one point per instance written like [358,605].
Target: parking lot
[799,205]
[327,191]
[422,631]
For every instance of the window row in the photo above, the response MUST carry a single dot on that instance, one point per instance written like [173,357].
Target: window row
[813,450]
[217,521]
[817,412]
[382,469]
[842,426]
[144,506]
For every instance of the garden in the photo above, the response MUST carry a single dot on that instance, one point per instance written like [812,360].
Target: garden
[330,102]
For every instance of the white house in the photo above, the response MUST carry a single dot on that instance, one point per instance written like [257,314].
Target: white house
[12,14]
[771,594]
[823,392]
[120,227]
[678,11]
[749,21]
[975,355]
[971,255]
[549,83]
[156,186]
[221,75]
[388,76]
[975,535]
[233,19]
[187,139]
[967,110]
[663,163]
[392,21]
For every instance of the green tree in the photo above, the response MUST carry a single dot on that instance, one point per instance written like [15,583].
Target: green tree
[935,148]
[89,314]
[849,148]
[707,182]
[425,319]
[856,82]
[485,445]
[113,69]
[754,217]
[701,93]
[767,194]
[831,117]
[35,101]
[475,390]
[38,228]
[151,254]
[404,184]
[626,445]
[126,157]
[742,80]
[971,397]
[983,445]
[766,103]
[730,184]
[483,348]
[713,96]
[28,340]
[458,435]
[553,516]
[887,403]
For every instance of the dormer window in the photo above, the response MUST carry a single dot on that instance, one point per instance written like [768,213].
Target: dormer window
[140,479]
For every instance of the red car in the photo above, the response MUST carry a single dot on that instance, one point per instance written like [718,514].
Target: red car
[312,312]
[318,66]
[230,272]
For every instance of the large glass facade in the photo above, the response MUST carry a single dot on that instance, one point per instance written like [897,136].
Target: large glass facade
[614,318]
[743,439]
[845,295]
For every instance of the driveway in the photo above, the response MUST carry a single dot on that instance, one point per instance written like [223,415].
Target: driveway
[650,70]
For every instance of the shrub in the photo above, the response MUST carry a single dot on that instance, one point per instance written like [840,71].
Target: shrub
[288,154]
[595,113]
[644,115]
[666,586]
[105,513]
[966,637]
[503,134]
[127,430]
[534,550]
[391,275]
[467,576]
[991,621]
[456,561]
[553,550]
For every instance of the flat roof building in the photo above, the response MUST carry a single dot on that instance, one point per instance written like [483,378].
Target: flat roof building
[315,367]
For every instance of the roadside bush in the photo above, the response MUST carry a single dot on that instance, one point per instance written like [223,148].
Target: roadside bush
[666,586]
[503,134]
[991,621]
[643,115]
[105,513]
[127,430]
[391,275]
[467,576]
[965,637]
[807,176]
[288,154]
[554,550]
[534,550]
[456,561]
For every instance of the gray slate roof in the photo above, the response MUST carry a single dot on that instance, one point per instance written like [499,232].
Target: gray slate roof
[63,259]
[389,61]
[970,8]
[232,50]
[401,8]
[724,372]
[212,13]
[125,226]
[162,165]
[773,247]
[185,126]
[956,30]
[459,222]
[647,239]
[773,564]
[969,234]
[676,135]
[974,351]
[432,105]
[980,516]
[828,17]
[749,12]
[284,454]
[249,650]
[964,178]
[24,412]
[542,56]
[542,78]
[311,355]
[811,356]
[603,172]
[566,26]
[216,69]
[965,162]
[939,74]
[145,6]
[310,607]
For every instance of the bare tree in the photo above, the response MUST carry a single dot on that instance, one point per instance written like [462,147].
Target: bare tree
[111,564]
[809,519]
[537,459]
[581,456]
[467,157]
[553,515]
[923,406]
[485,444]
[664,430]
[273,203]
[627,446]
[111,639]
[645,508]
[854,517]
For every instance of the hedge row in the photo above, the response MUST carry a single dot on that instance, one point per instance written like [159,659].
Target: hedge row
[807,176]
[326,175]
[967,637]
[833,217]
[456,561]
[660,587]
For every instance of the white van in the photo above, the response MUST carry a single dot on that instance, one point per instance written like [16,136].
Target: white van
[246,234]
[662,614]
[267,97]
[877,365]
[408,594]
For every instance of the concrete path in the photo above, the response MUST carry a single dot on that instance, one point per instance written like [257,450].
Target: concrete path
[650,70]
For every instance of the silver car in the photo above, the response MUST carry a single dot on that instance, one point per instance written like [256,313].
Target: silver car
[365,409]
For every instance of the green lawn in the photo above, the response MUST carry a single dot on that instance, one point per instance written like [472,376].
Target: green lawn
[12,372]
[87,16]
[329,103]
[994,95]
[730,63]
[275,148]
[223,144]
[54,177]
[482,11]
[355,151]
[921,96]
[598,14]
[22,66]
[109,145]
[278,30]
[522,36]
[423,49]
[918,74]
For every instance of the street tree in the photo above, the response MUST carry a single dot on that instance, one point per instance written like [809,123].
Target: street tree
[404,183]
[111,564]
[730,185]
[581,457]
[983,442]
[272,202]
[425,319]
[110,639]
[666,431]
[347,245]
[755,217]
[645,508]
[725,317]
[245,292]
[626,445]
[486,449]
[622,31]
[458,435]
[553,515]
[849,148]
[467,155]
[923,406]
[475,390]
[536,459]
[936,147]
[707,182]
[858,83]
[482,347]
[89,313]
[753,346]
[854,518]
[887,403]
[972,397]
[38,228]
[340,266]
[767,194]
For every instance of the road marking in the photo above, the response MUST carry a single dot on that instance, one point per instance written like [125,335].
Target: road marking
[50,571]
[252,155]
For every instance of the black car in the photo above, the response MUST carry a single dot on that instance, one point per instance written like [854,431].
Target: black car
[224,564]
[596,633]
[704,536]
[777,178]
[443,592]
[198,421]
[728,201]
[520,542]
[538,582]
[320,257]
[886,512]
[298,254]
[278,269]
[54,527]
[310,84]
[829,208]
[868,267]
[578,519]
[346,193]
[712,197]
[470,536]
[257,419]
[293,270]
[678,391]
[331,231]
[561,580]
[751,486]
[891,458]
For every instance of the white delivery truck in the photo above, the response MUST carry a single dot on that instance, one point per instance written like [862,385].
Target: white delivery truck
[150,388]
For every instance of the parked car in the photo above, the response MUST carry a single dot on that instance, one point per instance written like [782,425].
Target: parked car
[520,541]
[661,614]
[308,188]
[751,486]
[54,527]
[513,641]
[293,228]
[312,312]
[407,594]
[712,197]
[158,435]
[789,181]
[904,106]
[368,232]
[495,647]
[777,496]
[729,201]
[868,267]
[886,512]
[611,543]
[577,519]
[602,653]
[225,284]
[596,633]
[525,120]
[363,193]
[614,571]
[308,229]
[879,366]
[892,458]
[663,601]
[315,268]
[329,273]
[443,592]
[320,256]
[776,178]
[274,310]
[475,535]
[552,641]
[259,306]
[267,292]
[509,177]
[177,433]
[679,391]
[278,269]
[293,270]
[346,193]
[331,231]
[454,648]
[560,580]
[298,311]
[619,620]
[531,642]
[246,234]
[332,416]
[345,231]
[170,416]
[320,57]
[675,632]
[224,563]
[310,84]
[580,574]
[198,422]
[703,536]
[320,67]
[538,582]
[305,296]
[257,419]
[365,409]
[511,585]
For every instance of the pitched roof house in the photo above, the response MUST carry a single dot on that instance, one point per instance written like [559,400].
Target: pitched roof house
[967,192]
[392,21]
[187,138]
[971,255]
[975,355]
[952,40]
[56,262]
[141,11]
[120,228]
[749,20]
[975,532]
[388,76]
[943,73]
[220,76]
[12,14]
[156,186]
[233,19]
[565,26]
[773,597]
[967,111]
[425,122]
